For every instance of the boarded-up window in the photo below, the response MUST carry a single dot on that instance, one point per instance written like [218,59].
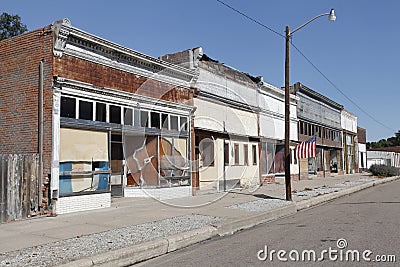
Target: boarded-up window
[82,145]
[68,107]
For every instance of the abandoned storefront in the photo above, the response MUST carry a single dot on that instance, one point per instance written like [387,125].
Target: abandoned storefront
[272,130]
[127,139]
[319,116]
[226,123]
[121,123]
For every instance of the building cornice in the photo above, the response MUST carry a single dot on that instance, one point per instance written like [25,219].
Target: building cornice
[75,42]
[298,87]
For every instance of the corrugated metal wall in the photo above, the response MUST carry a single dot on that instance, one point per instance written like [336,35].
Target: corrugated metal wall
[19,186]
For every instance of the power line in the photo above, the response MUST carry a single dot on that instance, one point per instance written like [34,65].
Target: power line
[250,18]
[310,62]
[340,91]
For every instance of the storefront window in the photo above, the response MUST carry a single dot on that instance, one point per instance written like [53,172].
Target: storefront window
[115,114]
[85,110]
[280,159]
[267,160]
[101,112]
[174,122]
[83,161]
[128,116]
[68,107]
[206,148]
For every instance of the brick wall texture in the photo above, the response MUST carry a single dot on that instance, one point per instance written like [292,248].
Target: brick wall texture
[102,76]
[20,58]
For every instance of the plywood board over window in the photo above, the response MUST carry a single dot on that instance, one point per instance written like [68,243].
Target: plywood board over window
[83,145]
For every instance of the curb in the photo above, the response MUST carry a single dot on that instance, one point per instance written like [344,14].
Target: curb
[150,249]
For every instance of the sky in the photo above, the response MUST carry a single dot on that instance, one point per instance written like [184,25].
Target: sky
[357,55]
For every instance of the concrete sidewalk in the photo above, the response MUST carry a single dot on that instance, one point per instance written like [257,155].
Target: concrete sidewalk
[229,207]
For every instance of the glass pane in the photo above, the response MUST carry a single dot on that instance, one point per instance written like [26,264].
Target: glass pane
[85,110]
[164,119]
[236,151]
[174,122]
[155,120]
[226,153]
[184,125]
[255,155]
[246,154]
[136,118]
[206,148]
[128,116]
[68,107]
[263,158]
[115,114]
[144,118]
[101,113]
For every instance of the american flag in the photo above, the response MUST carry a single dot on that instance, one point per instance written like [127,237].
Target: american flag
[307,149]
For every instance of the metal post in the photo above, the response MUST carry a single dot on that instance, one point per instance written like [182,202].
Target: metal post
[41,121]
[287,119]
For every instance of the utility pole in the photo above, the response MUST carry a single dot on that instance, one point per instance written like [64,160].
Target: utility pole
[287,119]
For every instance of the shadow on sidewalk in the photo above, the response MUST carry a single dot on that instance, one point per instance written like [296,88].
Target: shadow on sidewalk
[263,196]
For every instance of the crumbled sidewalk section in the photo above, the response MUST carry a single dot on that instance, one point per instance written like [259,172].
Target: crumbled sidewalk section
[309,193]
[65,251]
[261,205]
[358,182]
[317,192]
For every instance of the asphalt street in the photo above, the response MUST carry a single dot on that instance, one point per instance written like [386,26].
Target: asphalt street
[365,223]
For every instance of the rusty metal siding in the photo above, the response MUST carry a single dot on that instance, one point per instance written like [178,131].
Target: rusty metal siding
[19,186]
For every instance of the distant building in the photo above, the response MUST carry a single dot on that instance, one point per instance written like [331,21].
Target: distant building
[389,156]
[350,145]
[362,149]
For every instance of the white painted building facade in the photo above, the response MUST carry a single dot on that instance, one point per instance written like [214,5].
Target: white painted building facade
[350,141]
[271,103]
[226,123]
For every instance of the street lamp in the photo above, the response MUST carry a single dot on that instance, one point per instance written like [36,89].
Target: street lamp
[331,17]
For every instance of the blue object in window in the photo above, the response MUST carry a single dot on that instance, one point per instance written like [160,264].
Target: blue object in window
[103,179]
[65,181]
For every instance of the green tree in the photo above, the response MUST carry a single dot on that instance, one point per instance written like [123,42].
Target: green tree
[10,25]
[391,141]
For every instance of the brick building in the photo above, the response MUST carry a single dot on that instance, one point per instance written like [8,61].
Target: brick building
[105,118]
